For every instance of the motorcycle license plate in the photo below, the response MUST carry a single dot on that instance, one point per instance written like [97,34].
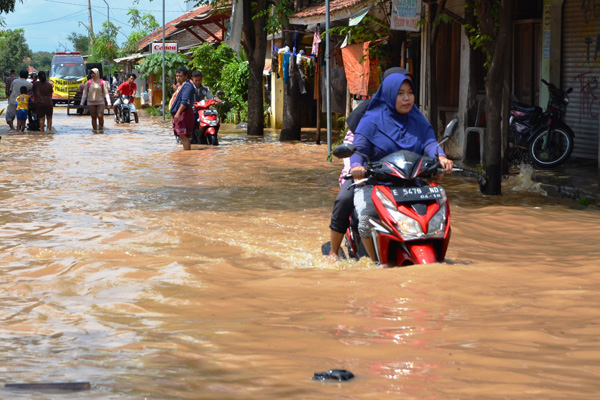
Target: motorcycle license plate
[418,193]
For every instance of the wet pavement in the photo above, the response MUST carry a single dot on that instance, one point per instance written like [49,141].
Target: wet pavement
[577,179]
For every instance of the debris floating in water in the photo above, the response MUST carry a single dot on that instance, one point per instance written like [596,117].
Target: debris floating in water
[53,386]
[336,374]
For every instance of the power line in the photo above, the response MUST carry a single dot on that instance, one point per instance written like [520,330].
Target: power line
[44,22]
[115,8]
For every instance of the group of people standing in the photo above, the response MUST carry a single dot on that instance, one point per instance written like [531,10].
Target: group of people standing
[187,92]
[25,97]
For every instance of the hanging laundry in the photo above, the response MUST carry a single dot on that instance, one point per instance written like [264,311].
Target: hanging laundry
[286,67]
[315,44]
[361,70]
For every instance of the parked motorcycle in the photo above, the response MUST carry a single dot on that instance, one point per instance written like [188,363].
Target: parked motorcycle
[543,134]
[208,122]
[413,223]
[124,109]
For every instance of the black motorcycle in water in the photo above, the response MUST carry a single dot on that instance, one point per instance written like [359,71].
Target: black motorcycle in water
[543,134]
[124,110]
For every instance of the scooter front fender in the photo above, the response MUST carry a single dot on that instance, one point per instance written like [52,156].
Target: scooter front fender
[211,131]
[422,253]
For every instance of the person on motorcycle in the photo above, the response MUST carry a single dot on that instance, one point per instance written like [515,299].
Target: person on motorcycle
[128,88]
[391,123]
[344,203]
[201,92]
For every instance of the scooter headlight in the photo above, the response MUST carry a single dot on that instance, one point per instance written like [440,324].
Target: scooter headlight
[437,224]
[566,99]
[407,226]
[125,101]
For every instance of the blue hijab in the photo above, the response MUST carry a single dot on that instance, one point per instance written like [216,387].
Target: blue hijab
[389,130]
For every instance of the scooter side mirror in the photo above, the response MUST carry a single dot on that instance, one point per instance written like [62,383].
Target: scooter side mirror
[344,150]
[450,128]
[569,90]
[448,132]
[220,94]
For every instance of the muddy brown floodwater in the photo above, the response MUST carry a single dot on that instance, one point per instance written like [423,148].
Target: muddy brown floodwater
[155,273]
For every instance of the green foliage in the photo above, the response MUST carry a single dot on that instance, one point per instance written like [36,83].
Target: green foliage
[152,65]
[223,69]
[80,42]
[477,38]
[41,60]
[153,111]
[234,82]
[143,25]
[8,6]
[104,46]
[211,62]
[14,51]
[142,22]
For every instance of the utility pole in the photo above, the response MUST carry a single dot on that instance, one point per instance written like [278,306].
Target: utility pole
[108,30]
[91,26]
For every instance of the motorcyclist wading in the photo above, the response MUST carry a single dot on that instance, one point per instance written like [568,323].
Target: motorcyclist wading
[206,120]
[391,123]
[127,88]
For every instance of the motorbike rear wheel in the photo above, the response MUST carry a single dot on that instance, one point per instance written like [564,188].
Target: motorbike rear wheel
[558,149]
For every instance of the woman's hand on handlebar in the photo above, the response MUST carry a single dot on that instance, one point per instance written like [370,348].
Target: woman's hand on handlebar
[358,173]
[447,164]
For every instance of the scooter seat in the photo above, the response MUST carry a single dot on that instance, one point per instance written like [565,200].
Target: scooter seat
[524,107]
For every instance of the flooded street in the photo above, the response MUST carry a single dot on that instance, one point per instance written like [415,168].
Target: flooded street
[155,273]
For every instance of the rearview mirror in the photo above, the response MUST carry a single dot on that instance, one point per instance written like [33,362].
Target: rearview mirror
[450,128]
[344,150]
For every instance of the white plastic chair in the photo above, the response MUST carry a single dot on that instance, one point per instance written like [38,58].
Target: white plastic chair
[476,130]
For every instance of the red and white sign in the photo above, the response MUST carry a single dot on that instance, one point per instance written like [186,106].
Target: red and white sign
[157,47]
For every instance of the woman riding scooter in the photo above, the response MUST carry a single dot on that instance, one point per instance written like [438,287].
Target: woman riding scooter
[391,123]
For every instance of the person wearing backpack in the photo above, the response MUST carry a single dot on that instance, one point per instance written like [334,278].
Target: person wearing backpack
[95,91]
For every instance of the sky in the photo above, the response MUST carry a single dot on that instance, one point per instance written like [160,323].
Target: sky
[47,23]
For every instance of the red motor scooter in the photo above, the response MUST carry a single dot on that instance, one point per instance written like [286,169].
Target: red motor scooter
[413,223]
[208,122]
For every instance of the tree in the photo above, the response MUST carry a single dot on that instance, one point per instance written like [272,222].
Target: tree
[211,61]
[490,30]
[143,25]
[223,69]
[41,60]
[8,6]
[80,42]
[14,50]
[104,46]
[254,42]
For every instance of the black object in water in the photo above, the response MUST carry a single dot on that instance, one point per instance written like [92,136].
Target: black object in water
[337,374]
[54,386]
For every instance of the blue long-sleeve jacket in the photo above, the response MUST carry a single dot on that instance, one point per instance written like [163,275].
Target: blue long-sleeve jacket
[364,146]
[185,97]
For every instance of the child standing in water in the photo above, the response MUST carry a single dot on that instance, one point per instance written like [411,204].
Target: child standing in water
[22,109]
